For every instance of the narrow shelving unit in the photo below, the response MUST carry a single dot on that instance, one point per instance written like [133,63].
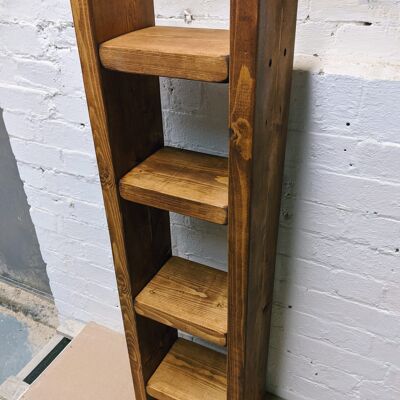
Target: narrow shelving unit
[123,54]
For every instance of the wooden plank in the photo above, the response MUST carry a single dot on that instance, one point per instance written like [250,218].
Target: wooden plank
[181,181]
[190,371]
[125,114]
[190,297]
[198,54]
[262,47]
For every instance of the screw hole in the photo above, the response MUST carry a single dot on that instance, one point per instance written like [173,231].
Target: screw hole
[348,124]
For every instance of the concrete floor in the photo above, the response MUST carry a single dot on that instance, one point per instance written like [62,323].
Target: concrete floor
[15,351]
[27,324]
[21,339]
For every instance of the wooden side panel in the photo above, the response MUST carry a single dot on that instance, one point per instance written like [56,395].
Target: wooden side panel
[125,114]
[117,17]
[262,40]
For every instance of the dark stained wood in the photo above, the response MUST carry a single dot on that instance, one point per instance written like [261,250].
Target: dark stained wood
[125,114]
[190,372]
[198,54]
[181,181]
[262,46]
[190,297]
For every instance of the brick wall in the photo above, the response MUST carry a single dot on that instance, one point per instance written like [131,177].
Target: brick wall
[336,323]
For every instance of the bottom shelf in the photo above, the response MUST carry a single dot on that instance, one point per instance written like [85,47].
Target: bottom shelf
[189,372]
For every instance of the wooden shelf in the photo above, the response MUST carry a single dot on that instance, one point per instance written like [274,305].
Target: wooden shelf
[198,54]
[189,371]
[190,297]
[181,181]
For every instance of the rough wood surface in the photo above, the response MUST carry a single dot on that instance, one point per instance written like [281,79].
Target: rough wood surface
[198,54]
[190,372]
[262,46]
[125,114]
[181,181]
[190,297]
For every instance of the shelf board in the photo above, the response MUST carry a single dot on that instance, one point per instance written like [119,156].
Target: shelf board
[189,53]
[181,181]
[189,371]
[190,297]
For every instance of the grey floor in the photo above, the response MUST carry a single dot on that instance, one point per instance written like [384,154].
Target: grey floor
[21,338]
[15,348]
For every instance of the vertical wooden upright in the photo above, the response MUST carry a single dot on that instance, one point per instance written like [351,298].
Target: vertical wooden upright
[122,55]
[125,115]
[262,48]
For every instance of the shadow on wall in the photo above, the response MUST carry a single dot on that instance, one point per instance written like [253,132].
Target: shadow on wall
[296,145]
[20,257]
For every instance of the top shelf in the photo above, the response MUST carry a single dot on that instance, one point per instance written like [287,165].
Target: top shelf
[188,53]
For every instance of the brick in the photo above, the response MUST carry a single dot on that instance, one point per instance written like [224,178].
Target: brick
[66,136]
[21,39]
[372,390]
[17,98]
[354,11]
[74,187]
[37,154]
[361,228]
[370,319]
[341,254]
[84,232]
[29,73]
[77,163]
[334,379]
[20,126]
[72,108]
[336,282]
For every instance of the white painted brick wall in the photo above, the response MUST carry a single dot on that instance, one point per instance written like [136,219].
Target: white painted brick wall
[336,329]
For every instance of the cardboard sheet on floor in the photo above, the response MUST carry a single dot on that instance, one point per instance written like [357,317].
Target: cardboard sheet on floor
[94,366]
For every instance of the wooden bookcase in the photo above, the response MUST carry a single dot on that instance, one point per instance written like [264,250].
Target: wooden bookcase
[122,55]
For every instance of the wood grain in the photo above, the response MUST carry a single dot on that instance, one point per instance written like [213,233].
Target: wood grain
[125,115]
[190,297]
[198,54]
[181,181]
[262,46]
[190,372]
